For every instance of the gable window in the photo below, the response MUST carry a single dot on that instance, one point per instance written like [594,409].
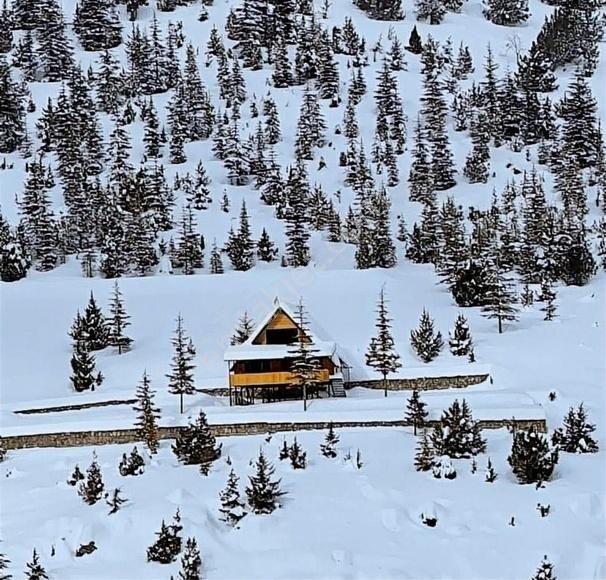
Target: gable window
[280,335]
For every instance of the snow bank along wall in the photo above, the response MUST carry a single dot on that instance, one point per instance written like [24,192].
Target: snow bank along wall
[114,437]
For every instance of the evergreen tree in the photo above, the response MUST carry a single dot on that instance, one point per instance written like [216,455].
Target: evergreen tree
[232,509]
[263,493]
[75,477]
[54,48]
[477,162]
[191,562]
[424,456]
[240,246]
[216,263]
[297,233]
[328,448]
[304,364]
[245,327]
[544,571]
[424,340]
[298,457]
[414,42]
[431,10]
[531,458]
[266,250]
[133,464]
[115,501]
[575,436]
[416,413]
[4,562]
[506,12]
[381,354]
[35,570]
[491,474]
[181,377]
[92,488]
[199,196]
[147,414]
[83,367]
[118,321]
[443,468]
[458,435]
[500,297]
[420,176]
[95,332]
[12,111]
[460,341]
[97,25]
[196,445]
[548,296]
[166,548]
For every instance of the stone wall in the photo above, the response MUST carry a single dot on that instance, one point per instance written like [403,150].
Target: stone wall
[422,383]
[94,438]
[76,407]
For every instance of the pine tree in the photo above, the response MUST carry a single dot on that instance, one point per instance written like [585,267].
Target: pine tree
[4,562]
[381,354]
[458,435]
[424,457]
[191,562]
[491,474]
[548,296]
[232,509]
[181,377]
[196,445]
[500,297]
[443,468]
[216,263]
[416,413]
[297,232]
[263,493]
[298,457]
[83,367]
[115,501]
[424,340]
[35,570]
[94,326]
[304,364]
[54,48]
[328,448]
[477,163]
[97,25]
[75,477]
[240,247]
[460,341]
[245,327]
[284,451]
[575,436]
[118,321]
[12,111]
[414,42]
[544,571]
[166,548]
[133,464]
[506,12]
[531,458]
[92,488]
[266,250]
[147,414]
[431,10]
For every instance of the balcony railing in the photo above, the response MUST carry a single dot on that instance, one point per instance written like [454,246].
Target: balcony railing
[279,378]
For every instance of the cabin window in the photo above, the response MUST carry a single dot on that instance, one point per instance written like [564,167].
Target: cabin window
[257,366]
[280,335]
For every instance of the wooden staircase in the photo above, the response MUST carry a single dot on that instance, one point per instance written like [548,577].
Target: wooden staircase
[337,387]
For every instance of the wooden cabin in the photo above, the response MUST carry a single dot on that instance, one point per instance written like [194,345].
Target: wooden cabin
[260,368]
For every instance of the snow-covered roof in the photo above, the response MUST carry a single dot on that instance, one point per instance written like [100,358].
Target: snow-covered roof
[320,341]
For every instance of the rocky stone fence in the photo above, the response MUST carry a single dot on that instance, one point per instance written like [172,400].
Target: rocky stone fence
[422,383]
[117,436]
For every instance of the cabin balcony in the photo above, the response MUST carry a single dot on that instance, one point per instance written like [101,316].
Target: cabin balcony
[275,378]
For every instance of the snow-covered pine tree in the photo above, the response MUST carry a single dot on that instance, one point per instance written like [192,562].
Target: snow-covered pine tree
[491,474]
[443,468]
[531,458]
[12,110]
[297,229]
[216,263]
[75,477]
[500,300]
[328,448]
[416,413]
[263,493]
[544,571]
[191,562]
[196,444]
[83,367]
[54,48]
[134,464]
[245,327]
[147,414]
[4,562]
[298,457]
[34,570]
[232,509]
[167,546]
[266,249]
[548,296]
[575,436]
[97,25]
[181,377]
[118,321]
[458,434]
[305,365]
[433,11]
[459,340]
[92,488]
[415,46]
[424,340]
[94,327]
[506,12]
[477,163]
[381,354]
[424,456]
[241,246]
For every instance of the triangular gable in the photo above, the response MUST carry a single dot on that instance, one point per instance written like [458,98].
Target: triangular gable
[281,317]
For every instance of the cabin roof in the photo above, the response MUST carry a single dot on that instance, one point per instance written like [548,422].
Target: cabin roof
[320,341]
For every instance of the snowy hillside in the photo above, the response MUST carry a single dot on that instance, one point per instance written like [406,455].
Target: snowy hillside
[205,158]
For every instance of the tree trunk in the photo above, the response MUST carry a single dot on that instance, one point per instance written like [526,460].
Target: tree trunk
[500,325]
[385,384]
[181,402]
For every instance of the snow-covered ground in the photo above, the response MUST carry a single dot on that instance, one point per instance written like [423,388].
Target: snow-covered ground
[336,521]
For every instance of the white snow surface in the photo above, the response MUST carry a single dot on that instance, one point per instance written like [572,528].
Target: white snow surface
[336,521]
